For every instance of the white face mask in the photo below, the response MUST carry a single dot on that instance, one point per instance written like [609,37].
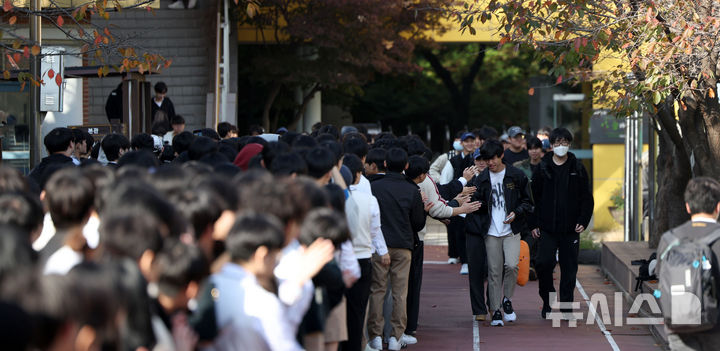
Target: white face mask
[561,151]
[457,145]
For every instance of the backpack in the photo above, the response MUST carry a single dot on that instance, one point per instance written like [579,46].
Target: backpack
[687,286]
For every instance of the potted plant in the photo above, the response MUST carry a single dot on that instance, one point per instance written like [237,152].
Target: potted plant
[617,210]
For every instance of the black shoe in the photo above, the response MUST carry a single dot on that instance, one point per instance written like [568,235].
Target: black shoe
[508,309]
[497,320]
[545,310]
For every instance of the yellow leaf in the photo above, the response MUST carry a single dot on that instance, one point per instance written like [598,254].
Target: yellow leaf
[711,93]
[6,74]
[35,50]
[252,9]
[12,20]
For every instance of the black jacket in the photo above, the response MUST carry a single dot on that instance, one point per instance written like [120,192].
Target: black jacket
[450,190]
[402,213]
[548,189]
[517,199]
[166,106]
[42,172]
[459,163]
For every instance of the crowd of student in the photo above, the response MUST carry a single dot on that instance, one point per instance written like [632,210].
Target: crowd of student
[272,241]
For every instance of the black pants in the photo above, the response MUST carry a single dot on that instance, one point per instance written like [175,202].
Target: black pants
[456,231]
[477,272]
[357,300]
[414,284]
[568,246]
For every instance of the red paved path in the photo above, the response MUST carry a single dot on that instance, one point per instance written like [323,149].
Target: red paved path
[446,322]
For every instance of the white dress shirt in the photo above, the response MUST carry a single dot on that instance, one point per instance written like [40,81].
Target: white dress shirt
[363,216]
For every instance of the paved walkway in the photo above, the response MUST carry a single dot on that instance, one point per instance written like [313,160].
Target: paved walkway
[446,322]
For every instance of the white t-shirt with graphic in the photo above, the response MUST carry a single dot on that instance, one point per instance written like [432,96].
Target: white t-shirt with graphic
[498,211]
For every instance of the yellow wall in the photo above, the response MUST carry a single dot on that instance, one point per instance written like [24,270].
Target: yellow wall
[608,172]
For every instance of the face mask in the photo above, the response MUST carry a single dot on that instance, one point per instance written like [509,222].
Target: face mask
[457,145]
[561,151]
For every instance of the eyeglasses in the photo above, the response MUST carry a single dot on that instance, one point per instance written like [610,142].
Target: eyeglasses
[561,143]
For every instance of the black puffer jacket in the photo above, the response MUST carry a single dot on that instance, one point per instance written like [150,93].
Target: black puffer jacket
[517,199]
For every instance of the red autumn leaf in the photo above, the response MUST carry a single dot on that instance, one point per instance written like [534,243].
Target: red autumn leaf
[12,62]
[17,57]
[106,31]
[60,21]
[12,20]
[531,91]
[58,80]
[26,52]
[7,6]
[51,73]
[559,80]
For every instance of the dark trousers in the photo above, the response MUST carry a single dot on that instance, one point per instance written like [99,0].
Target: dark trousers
[456,231]
[414,283]
[568,246]
[357,300]
[477,272]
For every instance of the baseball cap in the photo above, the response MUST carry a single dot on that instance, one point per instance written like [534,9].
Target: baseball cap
[467,135]
[476,154]
[504,138]
[514,131]
[281,130]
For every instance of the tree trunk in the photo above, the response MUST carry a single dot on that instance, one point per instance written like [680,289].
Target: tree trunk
[268,105]
[459,95]
[301,109]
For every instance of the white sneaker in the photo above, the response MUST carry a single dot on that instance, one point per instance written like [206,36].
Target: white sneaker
[191,4]
[464,269]
[394,344]
[510,315]
[408,339]
[368,348]
[376,343]
[177,5]
[452,260]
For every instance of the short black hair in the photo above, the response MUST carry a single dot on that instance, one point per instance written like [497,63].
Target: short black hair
[334,147]
[11,180]
[142,141]
[271,150]
[78,136]
[223,128]
[417,165]
[252,230]
[288,163]
[490,149]
[324,223]
[702,194]
[177,120]
[377,157]
[396,160]
[321,138]
[131,232]
[182,141]
[355,146]
[112,144]
[329,129]
[161,88]
[320,161]
[177,265]
[256,129]
[534,143]
[199,206]
[58,140]
[289,137]
[69,197]
[303,142]
[140,158]
[560,133]
[21,210]
[201,146]
[353,163]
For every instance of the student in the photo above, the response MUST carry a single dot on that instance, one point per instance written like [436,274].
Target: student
[250,316]
[456,227]
[516,146]
[114,146]
[69,197]
[375,164]
[563,208]
[503,191]
[60,144]
[535,155]
[417,172]
[160,102]
[702,202]
[363,216]
[177,125]
[359,148]
[226,130]
[80,146]
[402,214]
